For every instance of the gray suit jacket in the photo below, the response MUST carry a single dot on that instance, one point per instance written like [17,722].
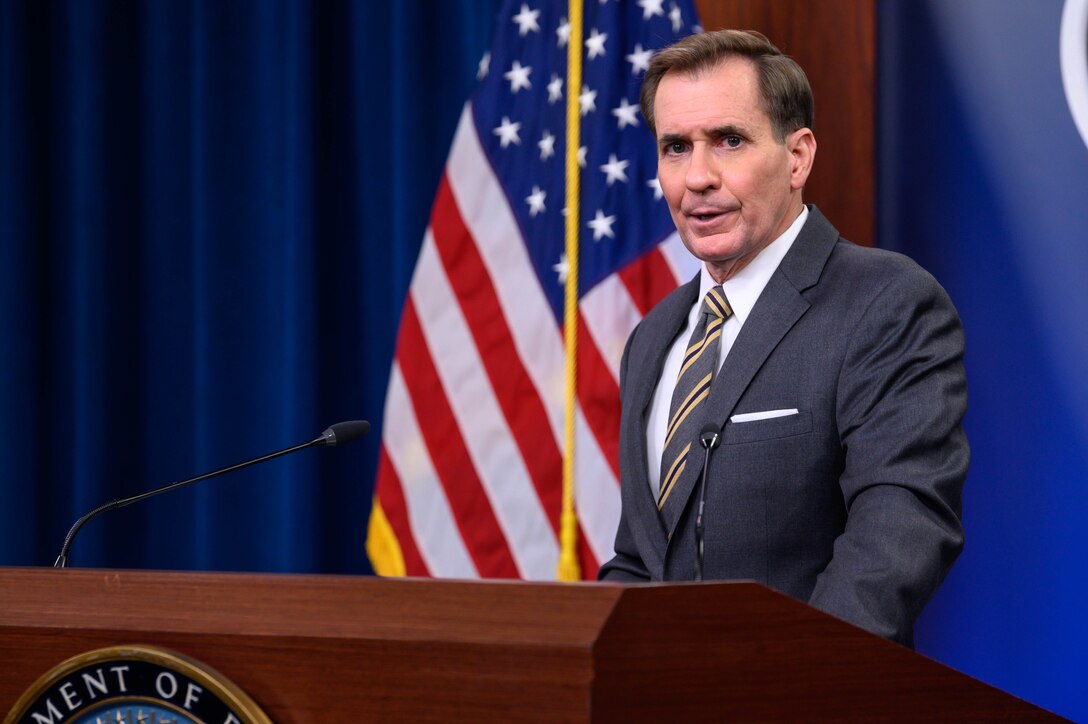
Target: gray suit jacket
[853,504]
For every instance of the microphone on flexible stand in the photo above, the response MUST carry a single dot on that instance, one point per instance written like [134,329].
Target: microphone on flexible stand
[338,434]
[709,438]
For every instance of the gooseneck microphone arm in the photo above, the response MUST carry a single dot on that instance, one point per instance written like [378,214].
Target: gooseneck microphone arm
[709,438]
[338,434]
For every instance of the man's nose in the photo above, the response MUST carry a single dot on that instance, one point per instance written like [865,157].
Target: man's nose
[703,172]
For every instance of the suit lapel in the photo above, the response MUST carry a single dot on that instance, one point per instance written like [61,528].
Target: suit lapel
[779,307]
[660,329]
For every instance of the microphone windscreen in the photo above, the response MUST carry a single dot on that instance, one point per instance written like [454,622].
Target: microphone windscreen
[711,436]
[343,432]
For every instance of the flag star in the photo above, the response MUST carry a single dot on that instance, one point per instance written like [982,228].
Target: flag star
[555,89]
[508,132]
[536,201]
[676,18]
[626,114]
[655,184]
[588,100]
[651,8]
[485,66]
[602,226]
[640,59]
[526,20]
[615,169]
[518,77]
[595,43]
[546,144]
[563,33]
[562,269]
[582,156]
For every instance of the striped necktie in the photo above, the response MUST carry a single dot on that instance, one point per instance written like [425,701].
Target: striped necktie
[692,388]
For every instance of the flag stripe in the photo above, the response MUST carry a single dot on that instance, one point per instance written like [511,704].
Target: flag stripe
[433,504]
[391,498]
[649,279]
[597,392]
[596,493]
[610,314]
[589,561]
[683,265]
[514,390]
[486,436]
[456,472]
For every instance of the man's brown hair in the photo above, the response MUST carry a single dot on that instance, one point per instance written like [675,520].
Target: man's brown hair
[784,90]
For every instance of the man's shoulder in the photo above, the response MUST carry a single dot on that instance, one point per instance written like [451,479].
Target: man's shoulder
[871,268]
[862,282]
[821,257]
[847,252]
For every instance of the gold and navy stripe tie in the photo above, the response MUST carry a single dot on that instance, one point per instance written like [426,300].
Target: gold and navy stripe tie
[692,388]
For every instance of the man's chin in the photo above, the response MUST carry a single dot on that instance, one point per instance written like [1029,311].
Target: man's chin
[716,249]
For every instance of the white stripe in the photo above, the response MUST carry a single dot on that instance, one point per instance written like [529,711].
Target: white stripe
[683,265]
[429,516]
[487,437]
[597,496]
[610,314]
[486,213]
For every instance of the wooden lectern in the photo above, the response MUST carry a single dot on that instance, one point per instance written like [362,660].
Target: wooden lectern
[336,648]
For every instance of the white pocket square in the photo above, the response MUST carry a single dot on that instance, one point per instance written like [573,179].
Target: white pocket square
[765,415]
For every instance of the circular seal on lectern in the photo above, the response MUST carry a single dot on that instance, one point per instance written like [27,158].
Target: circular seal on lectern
[134,685]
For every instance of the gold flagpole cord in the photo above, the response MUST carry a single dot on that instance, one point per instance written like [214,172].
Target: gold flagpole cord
[569,569]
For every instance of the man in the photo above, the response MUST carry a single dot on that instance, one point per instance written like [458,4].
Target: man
[833,373]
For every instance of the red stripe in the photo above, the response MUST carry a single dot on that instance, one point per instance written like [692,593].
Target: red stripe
[514,389]
[471,509]
[586,558]
[648,280]
[599,396]
[391,498]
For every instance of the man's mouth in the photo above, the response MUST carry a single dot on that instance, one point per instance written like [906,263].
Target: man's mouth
[707,215]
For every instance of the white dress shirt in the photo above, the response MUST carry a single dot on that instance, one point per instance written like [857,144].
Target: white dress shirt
[742,291]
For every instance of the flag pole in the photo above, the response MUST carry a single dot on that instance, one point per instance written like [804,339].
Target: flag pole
[569,569]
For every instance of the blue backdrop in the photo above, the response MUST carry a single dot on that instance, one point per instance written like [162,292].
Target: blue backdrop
[984,180]
[209,215]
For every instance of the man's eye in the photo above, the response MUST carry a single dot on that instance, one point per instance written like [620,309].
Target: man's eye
[733,141]
[674,148]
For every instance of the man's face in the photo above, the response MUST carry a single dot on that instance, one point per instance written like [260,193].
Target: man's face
[732,186]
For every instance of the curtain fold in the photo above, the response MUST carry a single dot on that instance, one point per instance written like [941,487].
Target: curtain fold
[209,214]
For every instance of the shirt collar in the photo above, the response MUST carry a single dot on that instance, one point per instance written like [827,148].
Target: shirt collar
[743,289]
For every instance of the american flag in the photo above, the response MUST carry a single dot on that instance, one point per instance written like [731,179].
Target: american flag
[469,479]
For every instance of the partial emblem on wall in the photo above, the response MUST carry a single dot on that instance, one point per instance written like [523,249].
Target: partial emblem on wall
[134,685]
[1074,61]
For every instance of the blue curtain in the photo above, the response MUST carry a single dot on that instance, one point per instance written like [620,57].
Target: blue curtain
[209,216]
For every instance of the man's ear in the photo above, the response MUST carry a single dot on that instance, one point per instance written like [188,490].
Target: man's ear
[801,145]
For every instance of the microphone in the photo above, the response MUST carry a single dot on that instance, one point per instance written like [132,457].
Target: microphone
[709,438]
[338,434]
